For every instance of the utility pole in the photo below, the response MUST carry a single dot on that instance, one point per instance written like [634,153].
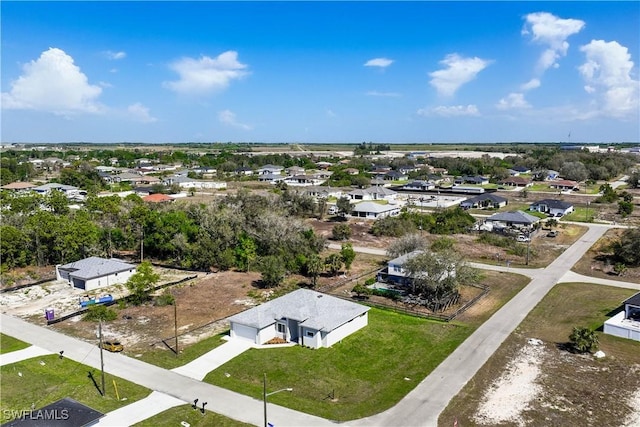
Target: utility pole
[528,245]
[101,357]
[175,317]
[264,398]
[141,244]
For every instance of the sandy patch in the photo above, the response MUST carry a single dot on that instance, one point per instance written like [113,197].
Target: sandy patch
[515,389]
[633,420]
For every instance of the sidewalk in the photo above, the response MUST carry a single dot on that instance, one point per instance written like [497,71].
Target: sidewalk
[138,411]
[200,367]
[25,353]
[571,276]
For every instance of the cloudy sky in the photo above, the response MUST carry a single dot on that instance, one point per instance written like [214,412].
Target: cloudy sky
[320,71]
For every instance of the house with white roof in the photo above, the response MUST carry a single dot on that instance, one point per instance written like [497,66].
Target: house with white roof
[373,210]
[95,272]
[305,317]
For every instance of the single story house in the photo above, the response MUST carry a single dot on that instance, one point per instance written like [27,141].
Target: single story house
[484,201]
[294,170]
[478,180]
[303,180]
[303,316]
[516,181]
[419,185]
[323,192]
[270,169]
[564,184]
[372,193]
[552,207]
[551,175]
[372,210]
[243,170]
[157,198]
[271,177]
[186,182]
[19,187]
[65,412]
[396,274]
[68,190]
[521,169]
[395,176]
[95,272]
[512,219]
[626,324]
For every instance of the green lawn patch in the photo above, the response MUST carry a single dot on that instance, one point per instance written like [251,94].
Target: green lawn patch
[174,416]
[165,358]
[366,373]
[44,380]
[581,214]
[9,344]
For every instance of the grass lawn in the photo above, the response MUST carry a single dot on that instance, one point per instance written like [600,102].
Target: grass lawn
[361,376]
[168,360]
[42,384]
[9,344]
[581,214]
[565,376]
[174,416]
[369,371]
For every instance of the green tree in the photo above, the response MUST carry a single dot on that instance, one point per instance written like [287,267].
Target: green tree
[333,264]
[273,271]
[245,252]
[627,248]
[314,268]
[341,232]
[583,339]
[405,244]
[344,206]
[14,247]
[348,255]
[361,290]
[141,283]
[99,312]
[625,208]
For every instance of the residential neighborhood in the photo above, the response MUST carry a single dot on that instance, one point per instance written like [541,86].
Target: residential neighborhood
[220,275]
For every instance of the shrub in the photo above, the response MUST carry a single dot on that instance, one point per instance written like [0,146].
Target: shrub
[166,298]
[442,244]
[99,312]
[341,232]
[583,339]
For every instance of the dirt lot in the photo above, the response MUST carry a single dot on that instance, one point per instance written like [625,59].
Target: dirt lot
[597,261]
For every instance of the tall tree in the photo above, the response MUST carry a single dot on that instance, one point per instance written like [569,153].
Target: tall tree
[314,267]
[348,255]
[141,283]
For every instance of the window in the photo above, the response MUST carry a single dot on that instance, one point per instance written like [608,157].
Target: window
[281,328]
[310,334]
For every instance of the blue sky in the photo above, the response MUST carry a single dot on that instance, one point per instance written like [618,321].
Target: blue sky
[309,72]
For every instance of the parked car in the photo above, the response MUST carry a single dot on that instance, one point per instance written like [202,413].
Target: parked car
[552,234]
[112,346]
[333,209]
[522,238]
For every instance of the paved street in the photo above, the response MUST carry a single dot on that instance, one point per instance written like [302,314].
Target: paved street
[420,407]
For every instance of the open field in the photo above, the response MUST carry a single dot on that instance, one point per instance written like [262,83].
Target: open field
[46,379]
[174,416]
[368,371]
[533,383]
[597,262]
[9,344]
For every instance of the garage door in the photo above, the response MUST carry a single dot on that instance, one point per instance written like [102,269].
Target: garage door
[244,332]
[78,283]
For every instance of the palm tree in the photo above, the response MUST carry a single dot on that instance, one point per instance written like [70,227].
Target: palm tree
[315,266]
[583,339]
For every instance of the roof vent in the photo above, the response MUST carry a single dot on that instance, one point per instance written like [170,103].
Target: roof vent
[319,296]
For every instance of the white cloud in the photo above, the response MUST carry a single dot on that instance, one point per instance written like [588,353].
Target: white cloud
[115,55]
[513,101]
[458,72]
[53,83]
[140,113]
[450,111]
[229,118]
[531,84]
[379,62]
[549,30]
[206,75]
[607,73]
[387,94]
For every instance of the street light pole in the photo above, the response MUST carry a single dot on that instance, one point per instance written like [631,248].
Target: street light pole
[265,394]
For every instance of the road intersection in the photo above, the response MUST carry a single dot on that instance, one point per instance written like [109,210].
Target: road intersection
[421,407]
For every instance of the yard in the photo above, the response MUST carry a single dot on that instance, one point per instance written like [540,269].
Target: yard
[368,371]
[9,344]
[46,379]
[532,383]
[597,262]
[185,413]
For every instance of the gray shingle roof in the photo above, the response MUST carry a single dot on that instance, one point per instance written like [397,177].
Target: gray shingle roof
[404,258]
[481,198]
[312,309]
[92,267]
[373,207]
[634,300]
[517,217]
[553,204]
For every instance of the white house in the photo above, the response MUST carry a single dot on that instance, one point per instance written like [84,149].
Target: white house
[270,169]
[552,207]
[372,210]
[512,219]
[303,180]
[395,272]
[372,193]
[303,316]
[626,324]
[95,272]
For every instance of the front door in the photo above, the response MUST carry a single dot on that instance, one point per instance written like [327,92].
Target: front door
[281,330]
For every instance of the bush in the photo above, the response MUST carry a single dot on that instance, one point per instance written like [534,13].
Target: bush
[341,232]
[370,281]
[442,244]
[495,240]
[166,298]
[99,312]
[583,339]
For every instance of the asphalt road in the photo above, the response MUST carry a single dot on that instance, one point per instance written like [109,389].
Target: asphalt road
[421,407]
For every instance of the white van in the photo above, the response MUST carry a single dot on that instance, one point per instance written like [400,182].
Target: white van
[333,209]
